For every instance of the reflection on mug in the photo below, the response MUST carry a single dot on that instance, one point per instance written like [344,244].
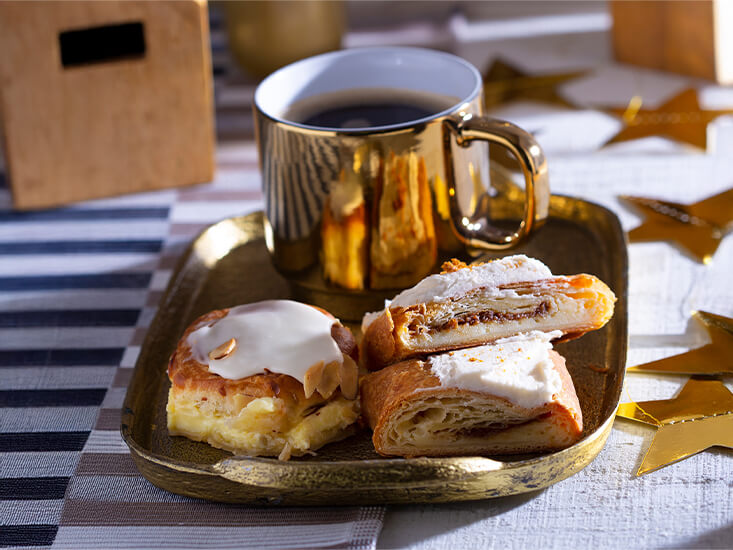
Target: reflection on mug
[345,232]
[403,248]
[393,247]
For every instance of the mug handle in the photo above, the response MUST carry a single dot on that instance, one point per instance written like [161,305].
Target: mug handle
[467,128]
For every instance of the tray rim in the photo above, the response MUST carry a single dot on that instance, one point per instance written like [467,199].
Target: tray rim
[573,458]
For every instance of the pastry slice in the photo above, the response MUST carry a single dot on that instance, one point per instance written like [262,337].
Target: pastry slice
[275,378]
[478,304]
[514,396]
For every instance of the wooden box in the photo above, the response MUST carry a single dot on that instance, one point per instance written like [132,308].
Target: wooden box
[102,98]
[688,37]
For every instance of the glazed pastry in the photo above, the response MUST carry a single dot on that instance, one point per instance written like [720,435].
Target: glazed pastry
[403,244]
[514,396]
[274,378]
[478,304]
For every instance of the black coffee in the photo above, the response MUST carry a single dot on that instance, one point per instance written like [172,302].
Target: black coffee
[368,108]
[367,116]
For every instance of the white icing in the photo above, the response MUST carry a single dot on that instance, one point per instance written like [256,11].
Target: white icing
[278,335]
[439,287]
[518,369]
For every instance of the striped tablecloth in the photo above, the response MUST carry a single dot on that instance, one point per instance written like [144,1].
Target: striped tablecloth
[79,286]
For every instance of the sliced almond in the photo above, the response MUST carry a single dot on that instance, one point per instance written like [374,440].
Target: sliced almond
[312,378]
[220,352]
[349,378]
[329,379]
[326,378]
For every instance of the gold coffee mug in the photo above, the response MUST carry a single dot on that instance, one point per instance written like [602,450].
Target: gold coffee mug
[374,168]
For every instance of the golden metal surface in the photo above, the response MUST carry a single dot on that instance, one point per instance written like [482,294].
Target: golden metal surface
[504,83]
[681,118]
[700,417]
[264,36]
[698,227]
[533,164]
[715,358]
[366,208]
[578,237]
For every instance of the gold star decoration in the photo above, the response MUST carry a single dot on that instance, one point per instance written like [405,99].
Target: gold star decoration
[504,83]
[680,118]
[700,417]
[698,228]
[713,358]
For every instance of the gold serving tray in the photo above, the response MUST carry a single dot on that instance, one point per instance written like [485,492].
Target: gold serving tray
[228,264]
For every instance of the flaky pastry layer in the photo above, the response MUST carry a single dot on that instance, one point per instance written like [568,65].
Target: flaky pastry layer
[411,414]
[573,305]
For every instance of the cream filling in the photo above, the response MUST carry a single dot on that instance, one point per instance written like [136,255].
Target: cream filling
[276,335]
[439,287]
[263,426]
[519,369]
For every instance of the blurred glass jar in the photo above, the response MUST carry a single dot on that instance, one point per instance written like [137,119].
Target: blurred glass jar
[265,35]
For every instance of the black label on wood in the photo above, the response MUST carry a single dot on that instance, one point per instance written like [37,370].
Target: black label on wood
[102,44]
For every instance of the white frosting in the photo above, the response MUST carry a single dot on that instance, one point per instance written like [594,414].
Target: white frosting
[518,369]
[439,287]
[278,335]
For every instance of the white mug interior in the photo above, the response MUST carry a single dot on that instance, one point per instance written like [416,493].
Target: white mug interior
[413,69]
